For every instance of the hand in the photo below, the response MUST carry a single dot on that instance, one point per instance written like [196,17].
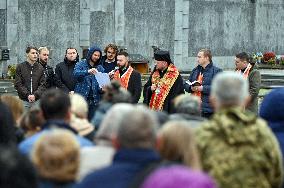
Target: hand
[197,88]
[111,75]
[92,71]
[31,98]
[153,87]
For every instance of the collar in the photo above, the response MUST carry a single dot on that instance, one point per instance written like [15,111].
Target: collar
[123,70]
[58,123]
[137,155]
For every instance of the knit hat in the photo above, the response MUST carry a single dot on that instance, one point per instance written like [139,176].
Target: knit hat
[162,55]
[272,106]
[179,177]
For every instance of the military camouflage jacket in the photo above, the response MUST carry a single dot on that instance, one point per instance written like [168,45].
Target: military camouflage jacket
[239,150]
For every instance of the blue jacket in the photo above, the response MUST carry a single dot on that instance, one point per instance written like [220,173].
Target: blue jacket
[85,82]
[26,146]
[126,164]
[208,74]
[272,110]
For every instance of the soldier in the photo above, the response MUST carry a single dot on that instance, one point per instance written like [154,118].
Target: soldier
[237,148]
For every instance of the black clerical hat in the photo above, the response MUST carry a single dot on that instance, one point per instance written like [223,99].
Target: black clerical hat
[162,55]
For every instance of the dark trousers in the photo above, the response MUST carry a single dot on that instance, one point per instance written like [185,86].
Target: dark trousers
[92,108]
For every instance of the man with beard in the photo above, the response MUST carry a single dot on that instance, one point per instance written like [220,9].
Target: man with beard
[49,74]
[109,61]
[129,78]
[86,82]
[64,70]
[164,84]
[29,79]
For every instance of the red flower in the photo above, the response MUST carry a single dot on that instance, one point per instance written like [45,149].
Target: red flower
[268,55]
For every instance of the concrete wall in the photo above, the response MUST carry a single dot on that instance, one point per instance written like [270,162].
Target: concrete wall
[231,26]
[182,26]
[52,23]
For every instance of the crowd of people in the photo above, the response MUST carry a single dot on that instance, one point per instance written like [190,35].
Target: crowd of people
[66,130]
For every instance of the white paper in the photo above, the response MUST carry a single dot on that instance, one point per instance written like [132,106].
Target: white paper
[102,78]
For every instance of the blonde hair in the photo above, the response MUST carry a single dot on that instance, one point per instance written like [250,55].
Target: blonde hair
[56,156]
[40,49]
[15,105]
[177,144]
[79,106]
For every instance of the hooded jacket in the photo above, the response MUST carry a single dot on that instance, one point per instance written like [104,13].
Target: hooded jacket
[272,110]
[239,150]
[86,83]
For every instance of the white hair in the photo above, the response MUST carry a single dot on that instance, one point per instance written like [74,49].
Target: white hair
[79,106]
[112,119]
[229,89]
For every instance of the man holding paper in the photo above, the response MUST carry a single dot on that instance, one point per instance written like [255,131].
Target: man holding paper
[129,78]
[87,84]
[199,82]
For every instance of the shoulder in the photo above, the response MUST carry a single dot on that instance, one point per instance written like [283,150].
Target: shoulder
[136,73]
[216,69]
[26,145]
[60,64]
[20,65]
[97,178]
[83,141]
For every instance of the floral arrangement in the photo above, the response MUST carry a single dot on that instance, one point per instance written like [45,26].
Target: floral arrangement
[11,71]
[257,57]
[281,60]
[269,58]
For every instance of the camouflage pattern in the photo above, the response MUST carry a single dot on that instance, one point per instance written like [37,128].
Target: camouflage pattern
[239,150]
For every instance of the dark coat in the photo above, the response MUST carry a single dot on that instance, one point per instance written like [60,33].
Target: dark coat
[86,83]
[23,80]
[108,66]
[209,73]
[254,79]
[126,164]
[134,85]
[272,110]
[175,90]
[64,73]
[50,76]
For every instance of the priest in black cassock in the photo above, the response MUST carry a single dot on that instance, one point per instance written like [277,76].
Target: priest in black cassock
[164,84]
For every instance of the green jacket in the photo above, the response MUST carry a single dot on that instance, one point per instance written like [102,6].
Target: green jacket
[239,150]
[254,80]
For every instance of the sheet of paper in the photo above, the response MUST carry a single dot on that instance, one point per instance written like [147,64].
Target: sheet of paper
[102,78]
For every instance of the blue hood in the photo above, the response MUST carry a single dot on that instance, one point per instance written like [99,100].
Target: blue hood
[272,106]
[91,51]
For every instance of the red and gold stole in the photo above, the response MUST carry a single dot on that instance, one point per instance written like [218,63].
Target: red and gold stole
[164,86]
[246,72]
[124,79]
[199,79]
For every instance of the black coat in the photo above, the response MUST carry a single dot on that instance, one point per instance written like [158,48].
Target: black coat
[64,73]
[51,78]
[135,86]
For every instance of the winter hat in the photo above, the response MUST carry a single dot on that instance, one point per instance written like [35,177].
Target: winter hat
[272,106]
[178,176]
